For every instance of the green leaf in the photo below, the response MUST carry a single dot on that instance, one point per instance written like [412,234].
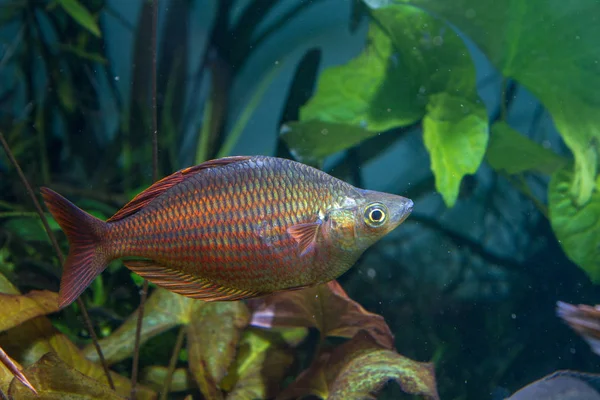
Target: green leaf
[261,364]
[81,15]
[312,141]
[455,133]
[577,228]
[358,369]
[551,48]
[212,338]
[514,153]
[155,376]
[163,311]
[413,67]
[54,379]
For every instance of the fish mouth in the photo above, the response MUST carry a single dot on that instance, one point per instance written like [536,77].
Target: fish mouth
[401,209]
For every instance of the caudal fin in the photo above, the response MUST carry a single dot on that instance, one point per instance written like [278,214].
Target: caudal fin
[86,259]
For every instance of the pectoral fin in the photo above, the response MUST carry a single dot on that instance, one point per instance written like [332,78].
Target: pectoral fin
[305,235]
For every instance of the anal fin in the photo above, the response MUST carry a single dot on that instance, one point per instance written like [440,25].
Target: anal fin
[186,284]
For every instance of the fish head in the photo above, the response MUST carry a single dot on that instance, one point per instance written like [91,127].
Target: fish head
[365,219]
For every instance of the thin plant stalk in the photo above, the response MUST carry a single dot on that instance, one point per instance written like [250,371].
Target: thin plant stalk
[173,363]
[154,133]
[59,254]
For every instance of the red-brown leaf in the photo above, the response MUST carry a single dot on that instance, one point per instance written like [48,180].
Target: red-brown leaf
[14,369]
[326,307]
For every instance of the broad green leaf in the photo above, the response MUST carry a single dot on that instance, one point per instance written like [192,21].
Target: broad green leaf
[28,342]
[358,369]
[455,133]
[312,141]
[514,153]
[55,380]
[261,363]
[81,15]
[212,338]
[17,308]
[163,311]
[326,307]
[551,48]
[413,67]
[373,91]
[154,377]
[577,228]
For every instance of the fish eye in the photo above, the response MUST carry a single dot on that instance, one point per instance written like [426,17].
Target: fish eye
[375,215]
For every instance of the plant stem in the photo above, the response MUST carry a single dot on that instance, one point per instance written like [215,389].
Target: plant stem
[154,132]
[173,363]
[59,254]
[242,121]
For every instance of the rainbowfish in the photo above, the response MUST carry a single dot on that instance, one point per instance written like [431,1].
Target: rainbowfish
[230,229]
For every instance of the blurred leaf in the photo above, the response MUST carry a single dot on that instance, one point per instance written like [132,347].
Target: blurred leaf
[561,385]
[312,141]
[155,377]
[29,229]
[212,338]
[28,342]
[57,380]
[326,307]
[455,133]
[79,52]
[163,311]
[10,369]
[515,153]
[576,228]
[17,309]
[550,47]
[261,364]
[81,15]
[7,287]
[583,319]
[358,369]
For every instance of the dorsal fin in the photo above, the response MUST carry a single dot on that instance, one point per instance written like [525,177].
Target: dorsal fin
[161,186]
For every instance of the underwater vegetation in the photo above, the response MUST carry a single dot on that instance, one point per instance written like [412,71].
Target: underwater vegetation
[458,303]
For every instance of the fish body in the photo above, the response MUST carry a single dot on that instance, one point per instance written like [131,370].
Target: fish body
[232,228]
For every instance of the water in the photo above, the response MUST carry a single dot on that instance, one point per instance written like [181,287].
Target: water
[483,113]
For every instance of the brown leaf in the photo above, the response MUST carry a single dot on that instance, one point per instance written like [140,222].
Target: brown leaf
[212,339]
[18,308]
[561,385]
[326,307]
[28,342]
[583,319]
[261,363]
[358,369]
[155,376]
[10,369]
[56,380]
[163,311]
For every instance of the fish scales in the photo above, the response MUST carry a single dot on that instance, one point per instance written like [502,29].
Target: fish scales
[231,228]
[221,232]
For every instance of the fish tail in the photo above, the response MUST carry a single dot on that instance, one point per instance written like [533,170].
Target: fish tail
[87,258]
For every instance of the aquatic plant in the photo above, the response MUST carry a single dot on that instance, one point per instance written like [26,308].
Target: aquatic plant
[415,74]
